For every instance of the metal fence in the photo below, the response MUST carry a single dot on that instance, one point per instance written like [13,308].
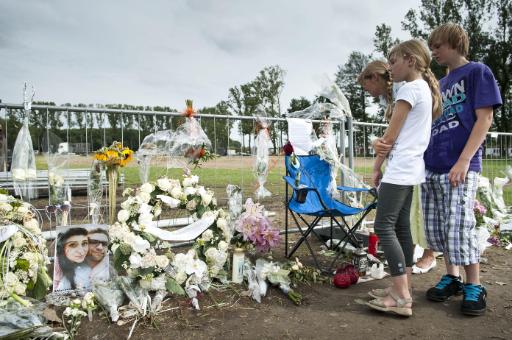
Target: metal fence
[99,127]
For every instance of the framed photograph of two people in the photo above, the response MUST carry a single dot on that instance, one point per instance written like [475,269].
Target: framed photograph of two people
[81,257]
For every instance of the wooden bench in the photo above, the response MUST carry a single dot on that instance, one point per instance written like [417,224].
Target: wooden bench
[73,178]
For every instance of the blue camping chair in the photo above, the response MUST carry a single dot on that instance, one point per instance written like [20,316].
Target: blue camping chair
[311,198]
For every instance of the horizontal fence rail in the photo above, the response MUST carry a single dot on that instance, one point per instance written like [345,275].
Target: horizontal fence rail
[86,129]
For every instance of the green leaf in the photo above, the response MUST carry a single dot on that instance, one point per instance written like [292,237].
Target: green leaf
[42,284]
[22,264]
[119,258]
[173,287]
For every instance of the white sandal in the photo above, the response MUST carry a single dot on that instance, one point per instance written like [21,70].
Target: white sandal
[399,309]
[419,270]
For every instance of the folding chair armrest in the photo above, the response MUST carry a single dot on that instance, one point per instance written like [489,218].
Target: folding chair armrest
[291,182]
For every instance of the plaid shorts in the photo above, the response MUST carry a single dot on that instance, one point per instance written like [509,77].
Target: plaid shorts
[449,217]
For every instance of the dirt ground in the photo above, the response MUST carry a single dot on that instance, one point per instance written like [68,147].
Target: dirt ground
[327,312]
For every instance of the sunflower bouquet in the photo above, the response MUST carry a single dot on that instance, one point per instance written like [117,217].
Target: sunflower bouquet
[112,158]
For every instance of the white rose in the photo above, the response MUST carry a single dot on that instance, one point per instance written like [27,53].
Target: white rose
[149,260]
[144,197]
[6,207]
[206,199]
[162,261]
[135,260]
[22,210]
[187,182]
[207,235]
[163,184]
[190,191]
[127,204]
[32,225]
[180,277]
[222,223]
[137,243]
[145,284]
[176,192]
[19,241]
[147,187]
[171,202]
[211,253]
[123,215]
[145,209]
[295,267]
[145,219]
[223,246]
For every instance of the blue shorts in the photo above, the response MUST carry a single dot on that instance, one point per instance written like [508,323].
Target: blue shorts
[450,224]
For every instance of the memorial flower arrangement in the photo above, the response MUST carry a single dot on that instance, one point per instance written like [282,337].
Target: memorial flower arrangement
[112,158]
[255,229]
[148,259]
[75,311]
[23,252]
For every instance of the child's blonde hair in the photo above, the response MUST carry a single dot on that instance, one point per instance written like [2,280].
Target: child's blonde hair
[452,34]
[417,50]
[381,69]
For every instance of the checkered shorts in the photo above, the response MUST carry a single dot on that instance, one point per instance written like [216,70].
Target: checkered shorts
[449,217]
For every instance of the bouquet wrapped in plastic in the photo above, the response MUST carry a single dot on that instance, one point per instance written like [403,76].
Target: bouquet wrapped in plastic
[110,296]
[262,145]
[95,192]
[235,205]
[331,104]
[23,166]
[58,189]
[190,140]
[155,144]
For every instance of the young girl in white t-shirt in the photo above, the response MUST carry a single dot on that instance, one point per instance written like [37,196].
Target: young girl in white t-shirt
[416,102]
[377,81]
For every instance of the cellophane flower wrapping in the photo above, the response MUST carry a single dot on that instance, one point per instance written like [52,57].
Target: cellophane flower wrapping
[262,145]
[95,185]
[154,144]
[325,147]
[110,296]
[235,203]
[188,139]
[23,166]
[58,188]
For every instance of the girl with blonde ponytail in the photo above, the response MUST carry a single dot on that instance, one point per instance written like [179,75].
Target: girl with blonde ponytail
[404,141]
[376,80]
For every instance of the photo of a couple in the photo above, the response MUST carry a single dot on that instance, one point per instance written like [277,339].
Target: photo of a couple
[81,257]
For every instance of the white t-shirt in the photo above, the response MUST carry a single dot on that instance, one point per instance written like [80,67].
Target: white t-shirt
[405,161]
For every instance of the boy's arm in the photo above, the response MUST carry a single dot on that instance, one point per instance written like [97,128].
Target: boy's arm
[476,138]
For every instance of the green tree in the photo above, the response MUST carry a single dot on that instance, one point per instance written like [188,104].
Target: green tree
[383,40]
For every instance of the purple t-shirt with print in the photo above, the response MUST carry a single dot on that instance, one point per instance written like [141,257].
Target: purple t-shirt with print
[465,89]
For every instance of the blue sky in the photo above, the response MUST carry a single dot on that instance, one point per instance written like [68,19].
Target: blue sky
[163,52]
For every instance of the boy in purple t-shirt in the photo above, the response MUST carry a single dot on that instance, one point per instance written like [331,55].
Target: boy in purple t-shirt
[453,161]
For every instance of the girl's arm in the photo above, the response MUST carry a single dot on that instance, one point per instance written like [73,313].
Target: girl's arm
[483,122]
[400,112]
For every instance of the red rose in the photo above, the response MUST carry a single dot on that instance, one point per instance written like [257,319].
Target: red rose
[342,280]
[288,149]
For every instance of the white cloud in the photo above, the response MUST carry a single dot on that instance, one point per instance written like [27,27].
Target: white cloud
[162,52]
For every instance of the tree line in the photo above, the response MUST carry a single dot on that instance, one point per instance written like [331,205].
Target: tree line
[488,23]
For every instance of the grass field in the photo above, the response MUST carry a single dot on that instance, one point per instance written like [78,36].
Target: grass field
[238,170]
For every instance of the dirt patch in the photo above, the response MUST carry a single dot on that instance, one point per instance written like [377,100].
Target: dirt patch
[327,312]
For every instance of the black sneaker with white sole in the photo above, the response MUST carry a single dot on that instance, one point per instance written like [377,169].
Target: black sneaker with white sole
[446,288]
[474,302]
